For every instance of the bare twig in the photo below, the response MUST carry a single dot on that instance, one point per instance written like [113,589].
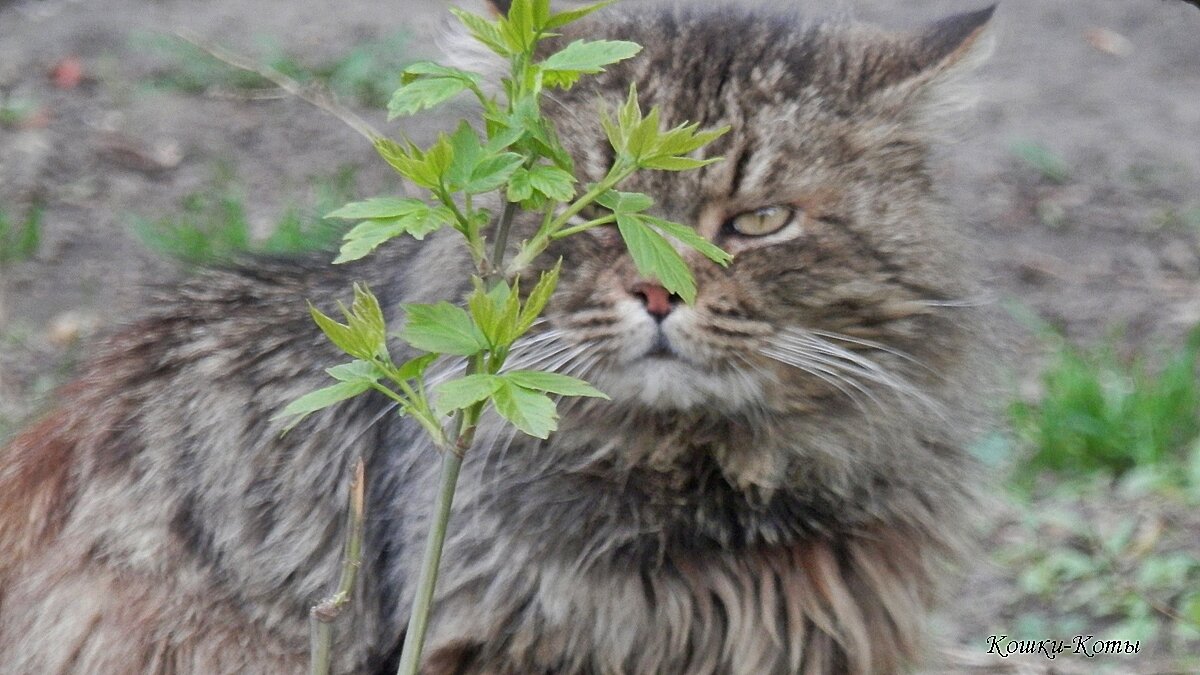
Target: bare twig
[318,97]
[327,611]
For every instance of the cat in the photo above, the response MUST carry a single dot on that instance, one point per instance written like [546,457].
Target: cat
[775,487]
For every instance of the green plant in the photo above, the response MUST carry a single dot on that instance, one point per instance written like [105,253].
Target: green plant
[15,111]
[520,159]
[367,73]
[1050,166]
[1098,557]
[19,239]
[1098,412]
[212,224]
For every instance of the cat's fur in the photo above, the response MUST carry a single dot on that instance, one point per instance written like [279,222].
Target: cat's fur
[775,498]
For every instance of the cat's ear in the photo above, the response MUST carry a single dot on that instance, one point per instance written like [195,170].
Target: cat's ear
[953,42]
[933,62]
[499,7]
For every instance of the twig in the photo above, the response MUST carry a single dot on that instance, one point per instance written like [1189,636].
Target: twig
[324,613]
[319,98]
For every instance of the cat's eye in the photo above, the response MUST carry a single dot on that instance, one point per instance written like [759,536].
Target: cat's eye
[760,222]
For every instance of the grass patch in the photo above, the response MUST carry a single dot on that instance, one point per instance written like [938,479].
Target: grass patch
[1107,541]
[212,226]
[20,237]
[1102,413]
[367,74]
[1049,165]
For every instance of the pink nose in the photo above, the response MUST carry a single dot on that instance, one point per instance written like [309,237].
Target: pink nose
[658,301]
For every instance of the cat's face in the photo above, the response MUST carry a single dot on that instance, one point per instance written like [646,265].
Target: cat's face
[845,266]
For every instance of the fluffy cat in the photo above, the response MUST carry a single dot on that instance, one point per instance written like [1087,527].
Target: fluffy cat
[773,488]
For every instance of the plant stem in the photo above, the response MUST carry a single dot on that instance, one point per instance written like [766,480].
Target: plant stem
[414,636]
[323,614]
[502,229]
[566,232]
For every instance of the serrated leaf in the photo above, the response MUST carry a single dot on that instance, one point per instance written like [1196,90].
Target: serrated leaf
[443,329]
[409,162]
[485,31]
[654,257]
[589,56]
[624,202]
[553,383]
[367,235]
[484,311]
[319,399]
[464,392]
[356,371]
[642,137]
[552,182]
[415,368]
[690,237]
[431,69]
[563,18]
[340,334]
[530,411]
[538,297]
[378,207]
[365,319]
[519,187]
[424,93]
[466,152]
[492,172]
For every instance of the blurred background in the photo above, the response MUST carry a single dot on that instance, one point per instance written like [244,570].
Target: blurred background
[128,156]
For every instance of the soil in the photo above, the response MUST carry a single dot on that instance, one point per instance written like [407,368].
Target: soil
[1111,239]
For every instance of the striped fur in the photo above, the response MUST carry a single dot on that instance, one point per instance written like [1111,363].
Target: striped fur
[779,494]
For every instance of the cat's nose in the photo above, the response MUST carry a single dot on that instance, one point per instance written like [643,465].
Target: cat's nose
[657,300]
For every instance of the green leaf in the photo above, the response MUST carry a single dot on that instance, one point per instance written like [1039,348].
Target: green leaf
[464,392]
[655,257]
[689,236]
[624,202]
[519,187]
[538,297]
[356,371]
[677,163]
[563,18]
[589,56]
[553,383]
[424,93]
[414,368]
[319,399]
[414,164]
[530,411]
[466,152]
[485,31]
[552,182]
[367,235]
[364,335]
[378,207]
[492,172]
[431,69]
[365,319]
[443,329]
[643,136]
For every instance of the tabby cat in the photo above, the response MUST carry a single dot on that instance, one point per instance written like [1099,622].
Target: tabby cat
[774,487]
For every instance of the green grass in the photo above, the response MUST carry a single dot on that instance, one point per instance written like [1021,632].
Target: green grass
[212,225]
[1048,164]
[1099,412]
[15,110]
[20,237]
[1107,488]
[367,74]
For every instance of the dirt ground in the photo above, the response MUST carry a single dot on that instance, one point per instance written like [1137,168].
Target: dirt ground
[1110,238]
